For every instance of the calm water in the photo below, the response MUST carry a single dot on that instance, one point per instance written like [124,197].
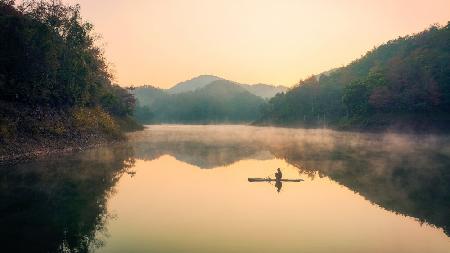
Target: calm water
[185,189]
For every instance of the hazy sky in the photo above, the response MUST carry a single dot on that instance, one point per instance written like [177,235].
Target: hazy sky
[162,42]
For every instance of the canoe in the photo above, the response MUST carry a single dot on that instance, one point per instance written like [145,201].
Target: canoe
[273,180]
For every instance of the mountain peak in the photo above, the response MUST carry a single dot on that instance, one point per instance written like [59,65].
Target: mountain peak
[193,84]
[259,89]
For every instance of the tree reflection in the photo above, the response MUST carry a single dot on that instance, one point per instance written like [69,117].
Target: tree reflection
[412,180]
[205,152]
[406,174]
[59,205]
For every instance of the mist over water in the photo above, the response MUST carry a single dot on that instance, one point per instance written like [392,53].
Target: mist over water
[310,145]
[178,188]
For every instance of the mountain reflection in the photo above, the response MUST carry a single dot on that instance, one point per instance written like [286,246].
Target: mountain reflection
[405,174]
[205,150]
[59,205]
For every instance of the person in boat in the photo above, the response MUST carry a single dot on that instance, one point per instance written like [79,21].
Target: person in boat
[278,175]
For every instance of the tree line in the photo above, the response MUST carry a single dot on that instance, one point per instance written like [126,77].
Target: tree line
[405,81]
[50,59]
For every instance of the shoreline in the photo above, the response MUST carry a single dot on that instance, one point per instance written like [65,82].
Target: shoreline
[24,152]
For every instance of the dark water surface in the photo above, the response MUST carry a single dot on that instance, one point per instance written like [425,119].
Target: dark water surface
[185,189]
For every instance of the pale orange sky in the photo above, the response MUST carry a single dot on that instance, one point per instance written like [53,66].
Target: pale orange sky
[163,42]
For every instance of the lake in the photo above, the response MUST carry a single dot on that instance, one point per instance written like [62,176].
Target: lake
[175,188]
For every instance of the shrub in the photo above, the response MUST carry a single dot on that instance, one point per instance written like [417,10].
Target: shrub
[95,120]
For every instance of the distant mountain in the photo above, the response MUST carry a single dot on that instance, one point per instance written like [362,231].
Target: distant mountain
[203,99]
[264,90]
[147,95]
[193,84]
[218,102]
[261,90]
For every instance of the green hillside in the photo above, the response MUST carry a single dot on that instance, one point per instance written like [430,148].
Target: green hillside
[404,83]
[219,102]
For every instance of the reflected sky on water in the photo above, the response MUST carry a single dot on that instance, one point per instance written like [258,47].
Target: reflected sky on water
[185,189]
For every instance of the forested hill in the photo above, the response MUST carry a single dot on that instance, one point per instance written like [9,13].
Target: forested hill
[260,90]
[55,85]
[193,84]
[218,102]
[402,83]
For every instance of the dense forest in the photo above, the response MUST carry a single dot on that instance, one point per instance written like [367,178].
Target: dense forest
[54,80]
[404,83]
[221,101]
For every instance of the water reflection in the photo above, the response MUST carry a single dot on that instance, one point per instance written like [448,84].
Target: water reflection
[205,148]
[405,174]
[62,204]
[278,185]
[59,205]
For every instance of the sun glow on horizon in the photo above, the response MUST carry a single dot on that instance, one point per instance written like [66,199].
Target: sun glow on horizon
[253,41]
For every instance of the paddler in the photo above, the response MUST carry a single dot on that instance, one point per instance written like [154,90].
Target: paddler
[278,175]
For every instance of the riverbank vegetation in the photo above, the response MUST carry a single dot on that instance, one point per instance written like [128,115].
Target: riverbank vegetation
[55,85]
[404,83]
